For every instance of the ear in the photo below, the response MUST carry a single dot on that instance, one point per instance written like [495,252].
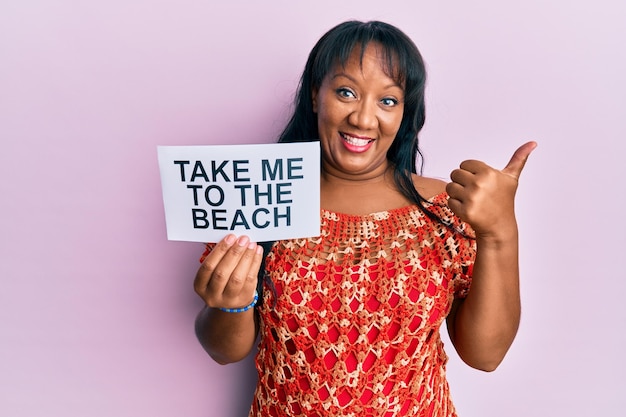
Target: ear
[314,100]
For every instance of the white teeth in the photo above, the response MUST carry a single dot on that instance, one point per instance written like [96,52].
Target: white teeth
[355,141]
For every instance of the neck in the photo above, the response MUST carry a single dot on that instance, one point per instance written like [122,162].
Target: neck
[333,178]
[361,194]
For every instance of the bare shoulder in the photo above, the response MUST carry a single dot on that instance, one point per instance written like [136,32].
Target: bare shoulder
[428,187]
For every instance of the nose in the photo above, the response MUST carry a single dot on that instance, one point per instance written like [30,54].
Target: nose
[363,116]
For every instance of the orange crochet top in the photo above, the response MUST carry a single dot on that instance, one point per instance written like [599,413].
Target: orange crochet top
[354,327]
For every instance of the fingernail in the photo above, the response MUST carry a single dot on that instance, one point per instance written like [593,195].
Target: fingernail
[230,239]
[251,245]
[259,250]
[243,241]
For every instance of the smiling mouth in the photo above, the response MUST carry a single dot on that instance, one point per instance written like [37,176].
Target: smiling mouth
[355,141]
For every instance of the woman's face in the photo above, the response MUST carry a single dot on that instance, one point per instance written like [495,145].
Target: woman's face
[359,110]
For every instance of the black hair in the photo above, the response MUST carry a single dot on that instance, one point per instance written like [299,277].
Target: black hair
[402,62]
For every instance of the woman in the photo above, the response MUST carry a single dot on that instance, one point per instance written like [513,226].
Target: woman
[349,320]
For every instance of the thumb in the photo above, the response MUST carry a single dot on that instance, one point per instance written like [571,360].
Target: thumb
[518,160]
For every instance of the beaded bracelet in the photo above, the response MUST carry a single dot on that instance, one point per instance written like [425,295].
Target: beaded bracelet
[242,309]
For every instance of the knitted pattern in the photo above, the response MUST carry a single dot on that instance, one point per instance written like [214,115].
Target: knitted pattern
[353,328]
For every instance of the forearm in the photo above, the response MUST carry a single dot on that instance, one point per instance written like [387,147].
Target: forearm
[486,322]
[227,337]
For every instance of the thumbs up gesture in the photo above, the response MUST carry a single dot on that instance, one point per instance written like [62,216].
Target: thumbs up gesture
[484,196]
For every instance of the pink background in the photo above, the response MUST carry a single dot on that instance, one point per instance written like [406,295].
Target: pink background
[97,307]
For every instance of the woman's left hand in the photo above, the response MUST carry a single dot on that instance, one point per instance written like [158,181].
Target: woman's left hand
[484,196]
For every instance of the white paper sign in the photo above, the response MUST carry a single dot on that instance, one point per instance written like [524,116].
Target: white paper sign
[267,192]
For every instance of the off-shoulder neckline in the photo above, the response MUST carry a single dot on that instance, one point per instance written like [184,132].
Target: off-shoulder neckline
[403,209]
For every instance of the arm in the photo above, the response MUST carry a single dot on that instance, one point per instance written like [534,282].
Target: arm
[227,278]
[483,325]
[226,337]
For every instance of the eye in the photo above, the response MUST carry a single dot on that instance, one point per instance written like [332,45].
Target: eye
[389,102]
[345,93]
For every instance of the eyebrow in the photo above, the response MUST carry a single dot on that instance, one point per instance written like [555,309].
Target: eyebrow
[343,74]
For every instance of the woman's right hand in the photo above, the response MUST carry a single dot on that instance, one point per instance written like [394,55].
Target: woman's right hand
[228,276]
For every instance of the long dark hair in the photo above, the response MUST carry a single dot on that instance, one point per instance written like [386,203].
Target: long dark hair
[403,64]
